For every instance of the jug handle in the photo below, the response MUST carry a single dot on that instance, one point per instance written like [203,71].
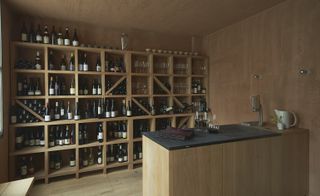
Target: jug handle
[295,119]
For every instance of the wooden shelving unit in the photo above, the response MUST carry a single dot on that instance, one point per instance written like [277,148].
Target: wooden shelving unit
[152,77]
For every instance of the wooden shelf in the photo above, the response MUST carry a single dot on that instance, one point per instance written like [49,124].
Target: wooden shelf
[117,141]
[128,56]
[116,164]
[28,150]
[91,144]
[91,168]
[33,71]
[66,170]
[60,148]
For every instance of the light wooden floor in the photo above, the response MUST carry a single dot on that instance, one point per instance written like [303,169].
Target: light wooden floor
[120,183]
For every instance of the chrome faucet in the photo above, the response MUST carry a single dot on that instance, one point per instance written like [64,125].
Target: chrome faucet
[257,107]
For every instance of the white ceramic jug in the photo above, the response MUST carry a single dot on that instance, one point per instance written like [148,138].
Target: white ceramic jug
[285,118]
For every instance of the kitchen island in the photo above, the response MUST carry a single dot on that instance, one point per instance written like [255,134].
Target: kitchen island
[239,160]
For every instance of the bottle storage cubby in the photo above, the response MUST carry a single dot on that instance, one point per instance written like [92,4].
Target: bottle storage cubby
[29,165]
[94,104]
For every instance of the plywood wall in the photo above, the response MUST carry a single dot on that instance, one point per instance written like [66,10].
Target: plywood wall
[275,44]
[6,18]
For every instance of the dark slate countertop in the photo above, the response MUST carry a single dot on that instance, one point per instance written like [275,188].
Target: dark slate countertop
[227,133]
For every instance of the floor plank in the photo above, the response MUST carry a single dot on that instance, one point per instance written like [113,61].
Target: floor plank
[127,182]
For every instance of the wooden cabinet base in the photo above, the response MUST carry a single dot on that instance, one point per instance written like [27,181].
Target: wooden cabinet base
[275,166]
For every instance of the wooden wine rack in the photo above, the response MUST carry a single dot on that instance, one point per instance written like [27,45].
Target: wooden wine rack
[129,75]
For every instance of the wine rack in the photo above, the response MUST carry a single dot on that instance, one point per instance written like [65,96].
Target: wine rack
[149,81]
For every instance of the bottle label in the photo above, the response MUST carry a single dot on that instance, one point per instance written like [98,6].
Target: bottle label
[70,117]
[60,41]
[61,142]
[47,118]
[94,91]
[99,160]
[72,163]
[76,117]
[51,91]
[37,92]
[100,136]
[39,38]
[61,112]
[72,91]
[66,42]
[51,144]
[120,159]
[66,141]
[111,159]
[113,114]
[125,158]
[24,37]
[107,114]
[203,91]
[140,155]
[63,67]
[98,68]
[57,116]
[19,139]
[80,67]
[85,67]
[30,93]
[37,142]
[129,113]
[19,87]
[45,39]
[71,67]
[85,162]
[99,91]
[75,43]
[99,110]
[38,66]
[134,156]
[195,90]
[31,142]
[42,142]
[57,165]
[23,170]
[124,135]
[85,92]
[13,119]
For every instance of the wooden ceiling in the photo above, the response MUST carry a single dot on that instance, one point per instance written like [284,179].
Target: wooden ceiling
[184,17]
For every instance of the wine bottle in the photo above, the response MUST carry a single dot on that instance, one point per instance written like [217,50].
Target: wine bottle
[50,61]
[91,157]
[53,36]
[37,137]
[107,111]
[62,110]
[140,151]
[42,142]
[123,108]
[125,154]
[85,158]
[72,136]
[32,35]
[67,136]
[99,110]
[19,139]
[124,130]
[30,87]
[13,112]
[72,161]
[37,63]
[111,154]
[57,161]
[99,89]
[98,64]
[81,135]
[85,88]
[71,62]
[47,116]
[99,155]
[61,138]
[30,166]
[112,109]
[69,112]
[46,39]
[24,34]
[94,109]
[100,133]
[80,68]
[63,63]
[85,135]
[120,154]
[59,38]
[129,111]
[32,140]
[57,111]
[85,62]
[51,138]
[72,88]
[57,135]
[23,167]
[39,35]
[94,88]
[76,112]
[66,37]
[25,86]
[37,90]
[75,40]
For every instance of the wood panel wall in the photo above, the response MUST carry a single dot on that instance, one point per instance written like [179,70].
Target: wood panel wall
[275,44]
[6,26]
